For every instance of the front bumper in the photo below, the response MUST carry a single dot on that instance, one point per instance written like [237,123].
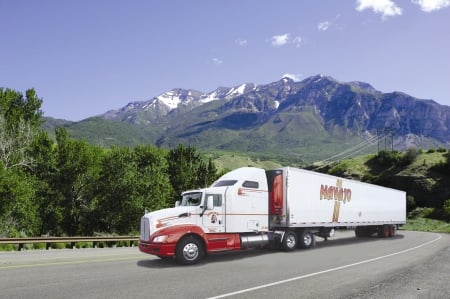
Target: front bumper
[159,249]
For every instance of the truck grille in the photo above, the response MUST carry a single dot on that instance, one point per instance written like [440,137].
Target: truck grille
[145,229]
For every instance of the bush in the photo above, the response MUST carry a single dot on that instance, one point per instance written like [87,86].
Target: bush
[339,169]
[60,245]
[410,203]
[7,247]
[446,210]
[84,244]
[410,156]
[397,159]
[388,158]
[421,212]
[370,178]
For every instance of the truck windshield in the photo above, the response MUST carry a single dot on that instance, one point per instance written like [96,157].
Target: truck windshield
[225,183]
[191,199]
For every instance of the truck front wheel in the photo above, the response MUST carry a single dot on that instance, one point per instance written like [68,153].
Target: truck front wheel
[289,242]
[307,239]
[189,251]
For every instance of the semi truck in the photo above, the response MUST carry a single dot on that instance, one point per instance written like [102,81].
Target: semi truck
[285,208]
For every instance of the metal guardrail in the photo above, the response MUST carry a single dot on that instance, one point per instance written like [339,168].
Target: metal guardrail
[71,240]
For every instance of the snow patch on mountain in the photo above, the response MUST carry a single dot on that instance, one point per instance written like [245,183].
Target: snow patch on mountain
[170,98]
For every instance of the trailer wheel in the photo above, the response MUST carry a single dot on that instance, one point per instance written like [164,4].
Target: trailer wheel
[289,242]
[189,251]
[361,231]
[307,239]
[392,230]
[383,231]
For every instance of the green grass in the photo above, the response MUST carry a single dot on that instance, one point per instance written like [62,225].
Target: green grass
[427,225]
[227,160]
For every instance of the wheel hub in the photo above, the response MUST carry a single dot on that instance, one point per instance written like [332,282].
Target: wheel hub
[190,251]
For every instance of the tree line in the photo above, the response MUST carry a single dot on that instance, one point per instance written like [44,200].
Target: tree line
[67,187]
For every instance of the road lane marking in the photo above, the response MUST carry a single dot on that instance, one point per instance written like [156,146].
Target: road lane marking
[324,271]
[67,263]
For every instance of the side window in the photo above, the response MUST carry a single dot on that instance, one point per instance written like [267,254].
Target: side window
[250,184]
[217,199]
[193,201]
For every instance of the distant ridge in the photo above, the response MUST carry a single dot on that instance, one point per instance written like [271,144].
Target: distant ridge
[306,120]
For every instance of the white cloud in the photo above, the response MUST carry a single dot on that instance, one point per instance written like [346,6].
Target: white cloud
[323,26]
[431,5]
[280,40]
[241,42]
[295,77]
[386,8]
[297,41]
[217,61]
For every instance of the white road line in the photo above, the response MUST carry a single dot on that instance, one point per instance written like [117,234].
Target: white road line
[324,271]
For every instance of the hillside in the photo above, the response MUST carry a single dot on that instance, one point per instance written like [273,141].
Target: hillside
[301,122]
[420,176]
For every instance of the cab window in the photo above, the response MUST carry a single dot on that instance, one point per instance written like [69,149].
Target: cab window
[217,199]
[224,183]
[250,184]
[191,199]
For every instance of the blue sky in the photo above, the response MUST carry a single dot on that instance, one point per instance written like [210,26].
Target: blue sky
[86,57]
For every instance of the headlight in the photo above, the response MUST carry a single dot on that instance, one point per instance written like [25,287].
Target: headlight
[160,239]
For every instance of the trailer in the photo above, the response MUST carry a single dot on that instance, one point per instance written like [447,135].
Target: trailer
[283,208]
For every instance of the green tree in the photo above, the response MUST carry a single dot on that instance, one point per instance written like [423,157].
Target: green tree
[77,166]
[116,204]
[183,166]
[206,173]
[44,152]
[20,119]
[153,182]
[19,123]
[18,213]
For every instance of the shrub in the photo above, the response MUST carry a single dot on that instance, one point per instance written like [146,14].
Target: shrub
[59,245]
[420,212]
[410,156]
[446,210]
[388,158]
[339,169]
[369,178]
[410,203]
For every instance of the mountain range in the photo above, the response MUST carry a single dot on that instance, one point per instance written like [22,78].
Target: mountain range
[314,119]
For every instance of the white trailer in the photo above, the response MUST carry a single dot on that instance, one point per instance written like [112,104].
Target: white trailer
[285,207]
[316,203]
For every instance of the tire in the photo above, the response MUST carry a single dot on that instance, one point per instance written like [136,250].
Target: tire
[289,242]
[189,251]
[361,231]
[307,239]
[383,231]
[392,231]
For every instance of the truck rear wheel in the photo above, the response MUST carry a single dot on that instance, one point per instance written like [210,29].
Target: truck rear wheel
[189,251]
[392,230]
[383,231]
[289,242]
[307,239]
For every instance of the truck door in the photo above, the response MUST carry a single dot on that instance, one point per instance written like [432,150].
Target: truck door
[214,219]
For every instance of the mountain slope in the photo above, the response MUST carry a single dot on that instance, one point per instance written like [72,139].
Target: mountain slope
[308,120]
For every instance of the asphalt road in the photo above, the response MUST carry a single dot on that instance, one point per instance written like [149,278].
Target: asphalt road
[410,265]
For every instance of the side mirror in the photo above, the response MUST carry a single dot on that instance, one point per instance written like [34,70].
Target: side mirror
[210,203]
[177,203]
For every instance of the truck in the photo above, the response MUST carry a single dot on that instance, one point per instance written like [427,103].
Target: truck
[284,208]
